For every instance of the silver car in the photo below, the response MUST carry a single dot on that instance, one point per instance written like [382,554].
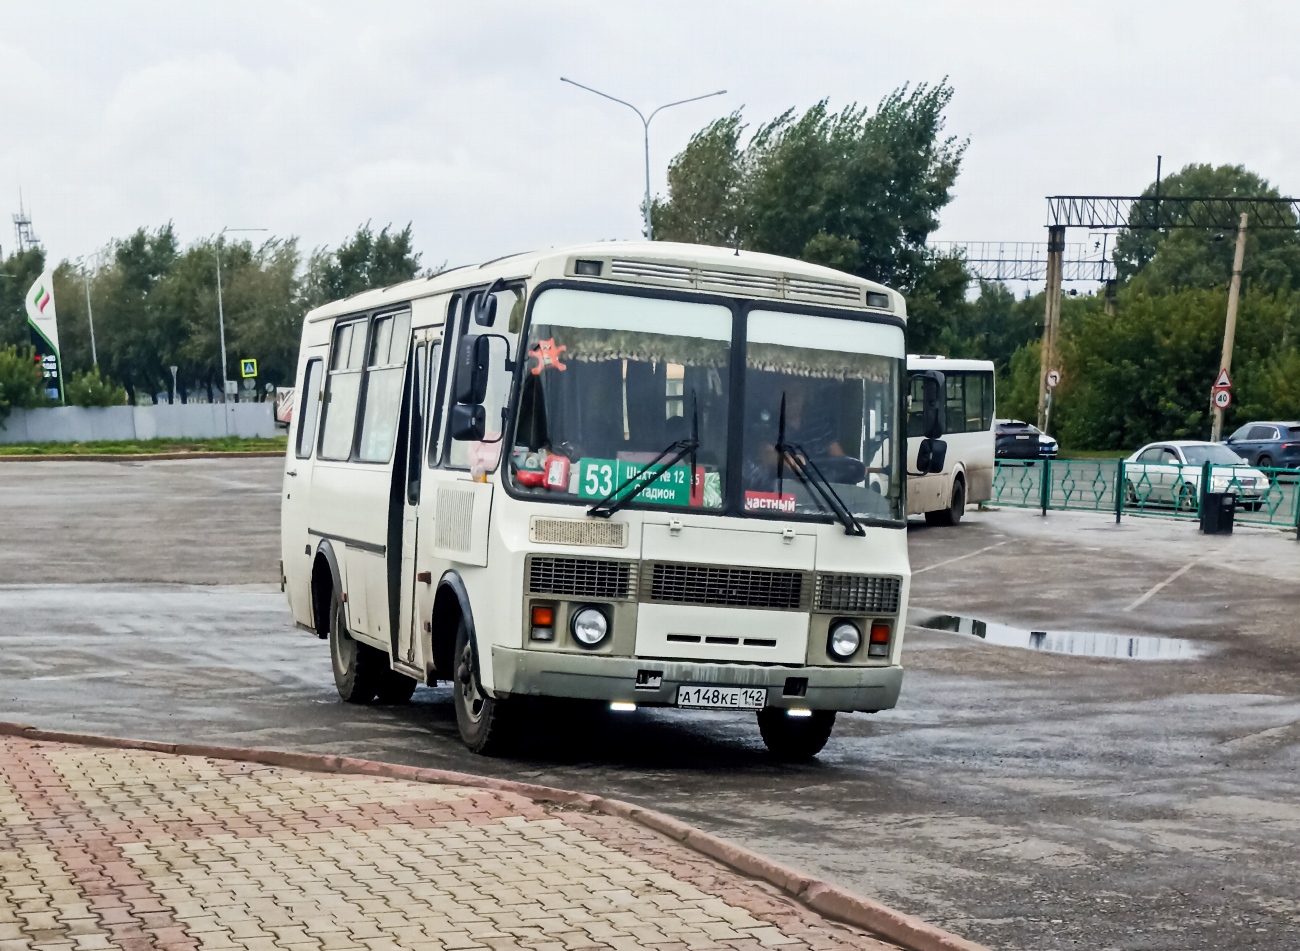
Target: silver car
[1169,473]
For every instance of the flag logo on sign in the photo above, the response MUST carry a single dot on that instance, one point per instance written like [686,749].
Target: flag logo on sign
[42,298]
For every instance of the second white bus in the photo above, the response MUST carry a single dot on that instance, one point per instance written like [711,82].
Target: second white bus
[967,474]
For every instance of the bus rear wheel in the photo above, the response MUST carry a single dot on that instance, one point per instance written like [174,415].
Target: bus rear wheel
[795,739]
[482,720]
[956,506]
[358,668]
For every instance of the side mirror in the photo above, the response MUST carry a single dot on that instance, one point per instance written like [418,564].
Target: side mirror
[485,310]
[485,305]
[472,365]
[931,456]
[935,405]
[468,422]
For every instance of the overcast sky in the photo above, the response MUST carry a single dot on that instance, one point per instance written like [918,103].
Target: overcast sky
[308,118]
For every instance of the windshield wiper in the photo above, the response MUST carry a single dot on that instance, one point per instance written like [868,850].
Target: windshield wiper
[803,466]
[679,450]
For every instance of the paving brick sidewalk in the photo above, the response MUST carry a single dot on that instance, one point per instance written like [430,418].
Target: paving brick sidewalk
[119,848]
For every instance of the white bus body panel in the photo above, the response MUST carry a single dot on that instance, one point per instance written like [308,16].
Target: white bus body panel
[970,454]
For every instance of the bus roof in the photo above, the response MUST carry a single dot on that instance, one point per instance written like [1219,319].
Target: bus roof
[924,361]
[690,267]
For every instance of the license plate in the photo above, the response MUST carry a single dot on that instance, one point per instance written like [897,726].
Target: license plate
[1022,437]
[722,698]
[1247,482]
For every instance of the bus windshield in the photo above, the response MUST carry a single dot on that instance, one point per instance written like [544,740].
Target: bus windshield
[825,388]
[613,380]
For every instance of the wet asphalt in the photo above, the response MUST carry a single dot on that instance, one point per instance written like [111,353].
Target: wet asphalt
[1022,798]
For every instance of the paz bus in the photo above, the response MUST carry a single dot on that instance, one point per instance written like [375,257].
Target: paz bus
[967,473]
[641,474]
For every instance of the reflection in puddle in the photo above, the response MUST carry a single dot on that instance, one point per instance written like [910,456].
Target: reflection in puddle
[1079,643]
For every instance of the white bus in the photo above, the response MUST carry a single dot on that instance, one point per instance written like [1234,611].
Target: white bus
[967,474]
[641,474]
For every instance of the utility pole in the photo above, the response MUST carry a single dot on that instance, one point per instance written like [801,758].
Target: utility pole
[645,125]
[90,314]
[1051,318]
[1230,325]
[221,311]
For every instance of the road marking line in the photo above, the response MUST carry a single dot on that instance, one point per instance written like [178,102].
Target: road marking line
[1170,580]
[958,558]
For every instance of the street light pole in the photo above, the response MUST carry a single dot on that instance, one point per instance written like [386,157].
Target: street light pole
[221,312]
[645,128]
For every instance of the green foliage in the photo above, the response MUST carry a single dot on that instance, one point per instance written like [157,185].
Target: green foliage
[155,306]
[135,447]
[1144,373]
[17,274]
[856,190]
[364,261]
[1176,258]
[20,380]
[88,388]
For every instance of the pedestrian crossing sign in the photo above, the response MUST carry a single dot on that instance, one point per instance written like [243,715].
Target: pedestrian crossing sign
[247,368]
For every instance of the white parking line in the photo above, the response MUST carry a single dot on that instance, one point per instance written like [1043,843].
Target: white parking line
[958,558]
[1170,580]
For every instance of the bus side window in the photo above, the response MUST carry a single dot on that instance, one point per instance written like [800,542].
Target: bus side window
[441,370]
[487,453]
[975,383]
[309,408]
[342,388]
[385,373]
[956,384]
[916,407]
[419,414]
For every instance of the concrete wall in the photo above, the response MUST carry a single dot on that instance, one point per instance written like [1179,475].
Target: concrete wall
[163,421]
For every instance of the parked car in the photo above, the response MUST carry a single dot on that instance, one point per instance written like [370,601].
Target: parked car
[1016,439]
[1268,445]
[1169,473]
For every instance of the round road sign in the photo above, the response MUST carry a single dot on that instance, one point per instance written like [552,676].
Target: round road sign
[1053,378]
[1222,398]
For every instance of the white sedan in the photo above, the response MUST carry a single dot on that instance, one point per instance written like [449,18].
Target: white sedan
[1169,473]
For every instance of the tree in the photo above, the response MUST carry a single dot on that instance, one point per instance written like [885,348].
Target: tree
[21,383]
[1178,258]
[363,262]
[856,190]
[17,274]
[88,388]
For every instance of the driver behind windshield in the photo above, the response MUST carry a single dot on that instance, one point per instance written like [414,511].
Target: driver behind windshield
[812,423]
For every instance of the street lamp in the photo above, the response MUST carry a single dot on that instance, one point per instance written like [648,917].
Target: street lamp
[221,313]
[645,123]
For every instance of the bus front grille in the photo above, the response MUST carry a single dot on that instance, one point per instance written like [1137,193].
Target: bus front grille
[715,585]
[582,578]
[857,594]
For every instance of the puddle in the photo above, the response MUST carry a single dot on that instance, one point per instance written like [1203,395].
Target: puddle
[1078,643]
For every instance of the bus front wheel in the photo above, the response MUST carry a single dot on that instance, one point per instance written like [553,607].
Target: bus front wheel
[358,668]
[480,718]
[795,738]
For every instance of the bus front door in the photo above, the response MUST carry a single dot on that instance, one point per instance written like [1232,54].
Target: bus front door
[407,651]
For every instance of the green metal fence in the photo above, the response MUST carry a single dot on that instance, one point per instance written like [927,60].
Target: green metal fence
[1264,496]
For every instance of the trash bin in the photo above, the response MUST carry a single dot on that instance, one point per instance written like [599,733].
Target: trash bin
[1217,513]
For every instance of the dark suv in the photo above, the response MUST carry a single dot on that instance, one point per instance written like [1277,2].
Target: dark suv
[1268,445]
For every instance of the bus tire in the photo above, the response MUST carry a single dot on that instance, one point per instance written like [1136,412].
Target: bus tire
[795,739]
[483,721]
[358,668]
[395,688]
[956,506]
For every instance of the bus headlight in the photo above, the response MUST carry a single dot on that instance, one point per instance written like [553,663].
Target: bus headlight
[589,626]
[844,640]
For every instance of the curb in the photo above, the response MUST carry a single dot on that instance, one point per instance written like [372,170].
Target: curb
[829,900]
[138,456]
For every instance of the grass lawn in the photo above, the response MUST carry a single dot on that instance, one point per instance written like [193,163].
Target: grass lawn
[144,446]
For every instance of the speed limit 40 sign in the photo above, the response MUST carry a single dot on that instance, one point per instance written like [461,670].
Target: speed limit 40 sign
[1222,398]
